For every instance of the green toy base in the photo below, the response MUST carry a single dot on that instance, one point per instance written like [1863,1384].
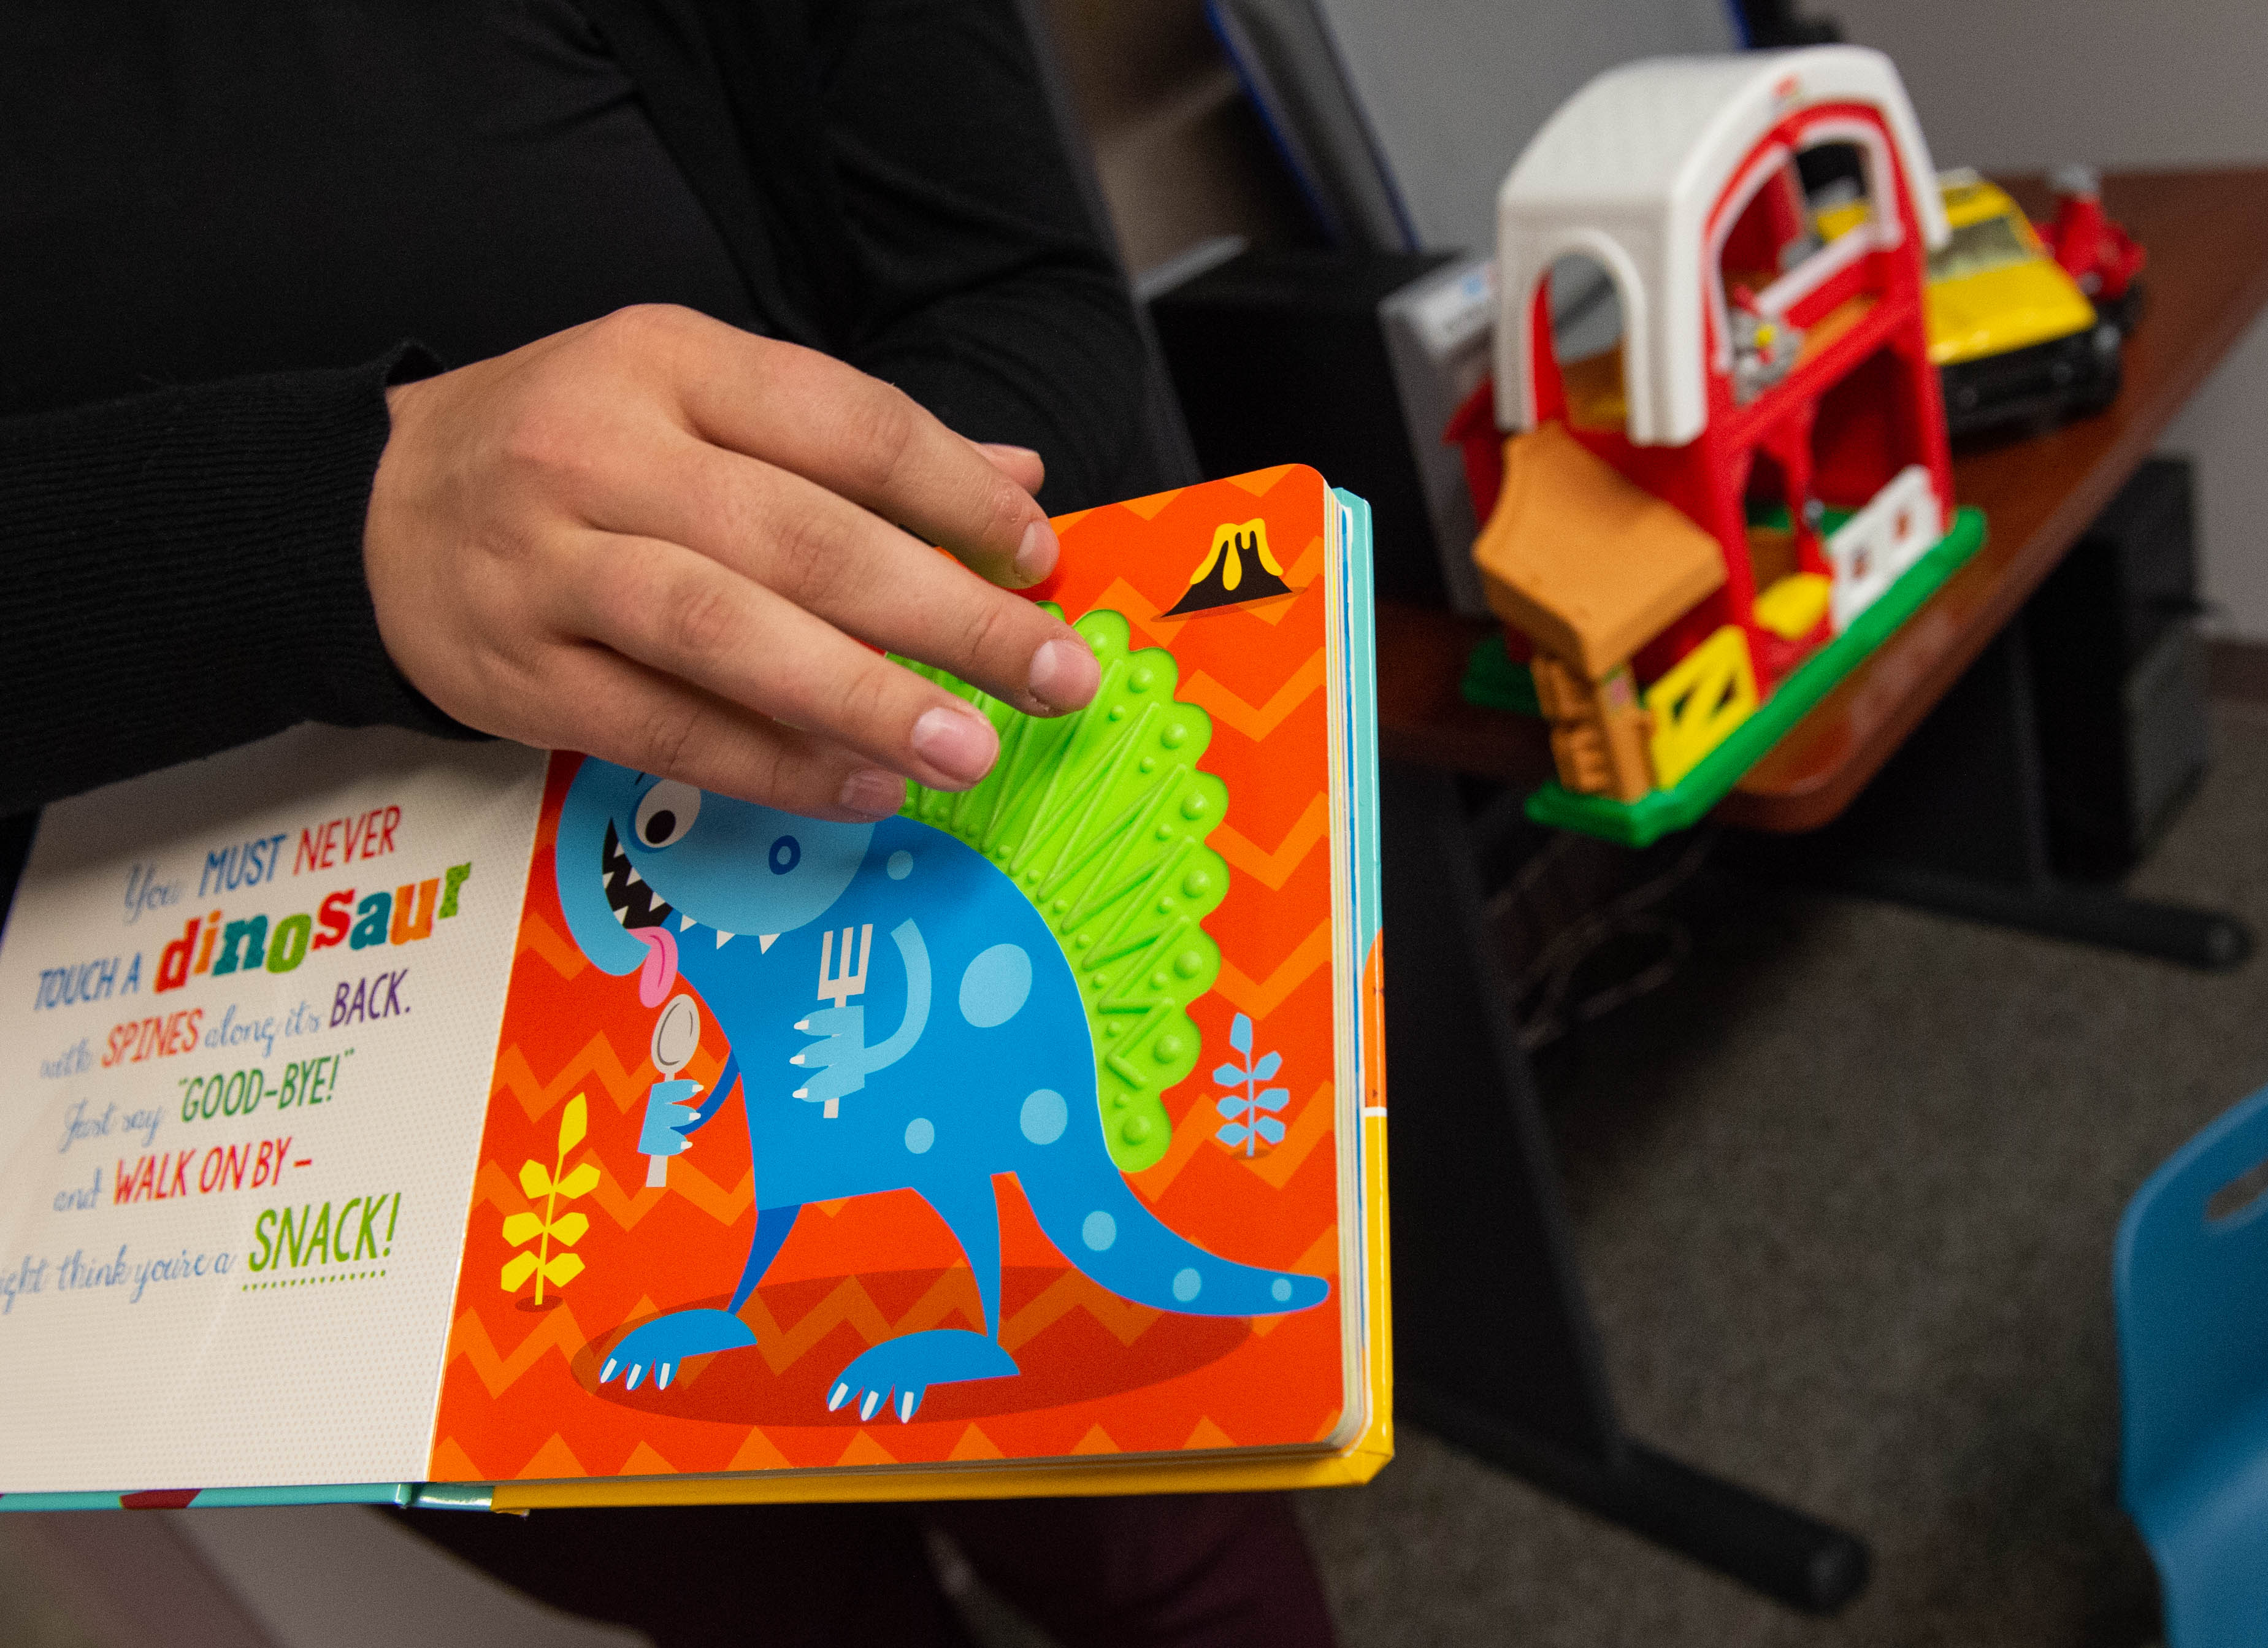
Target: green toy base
[1659,812]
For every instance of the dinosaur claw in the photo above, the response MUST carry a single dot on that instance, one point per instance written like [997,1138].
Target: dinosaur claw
[897,1373]
[663,1346]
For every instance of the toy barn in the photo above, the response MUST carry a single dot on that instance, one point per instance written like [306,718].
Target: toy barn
[1719,441]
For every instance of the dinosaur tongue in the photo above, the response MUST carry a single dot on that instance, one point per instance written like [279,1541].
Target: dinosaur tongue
[660,971]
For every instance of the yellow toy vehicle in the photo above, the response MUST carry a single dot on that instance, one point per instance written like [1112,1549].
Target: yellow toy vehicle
[2012,337]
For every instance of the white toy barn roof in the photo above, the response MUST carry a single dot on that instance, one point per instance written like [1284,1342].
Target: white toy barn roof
[1627,172]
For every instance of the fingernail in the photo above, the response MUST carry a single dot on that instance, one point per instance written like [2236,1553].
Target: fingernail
[1063,675]
[1008,451]
[870,792]
[959,743]
[1036,557]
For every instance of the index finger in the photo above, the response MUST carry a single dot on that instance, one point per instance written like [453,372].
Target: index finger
[870,443]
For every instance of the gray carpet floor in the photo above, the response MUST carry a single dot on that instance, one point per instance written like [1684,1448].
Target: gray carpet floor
[1845,1192]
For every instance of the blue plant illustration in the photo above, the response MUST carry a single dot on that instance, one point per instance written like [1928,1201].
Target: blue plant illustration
[1251,1119]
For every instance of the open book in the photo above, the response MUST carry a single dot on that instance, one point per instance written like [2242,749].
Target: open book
[388,1119]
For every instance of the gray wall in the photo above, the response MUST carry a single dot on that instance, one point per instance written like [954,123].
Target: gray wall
[2022,84]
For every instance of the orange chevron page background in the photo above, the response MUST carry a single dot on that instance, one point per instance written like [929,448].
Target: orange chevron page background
[520,1396]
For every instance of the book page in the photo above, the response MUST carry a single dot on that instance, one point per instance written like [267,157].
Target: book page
[1008,1131]
[248,1008]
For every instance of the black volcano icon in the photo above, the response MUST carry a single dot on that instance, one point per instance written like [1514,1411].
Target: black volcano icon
[1237,569]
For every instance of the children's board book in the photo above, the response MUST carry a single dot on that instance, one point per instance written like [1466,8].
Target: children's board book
[388,1119]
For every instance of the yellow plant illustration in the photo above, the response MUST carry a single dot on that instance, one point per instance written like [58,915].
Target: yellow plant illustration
[555,1184]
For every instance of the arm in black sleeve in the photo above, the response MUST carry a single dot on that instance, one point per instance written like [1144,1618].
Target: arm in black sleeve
[186,572]
[989,296]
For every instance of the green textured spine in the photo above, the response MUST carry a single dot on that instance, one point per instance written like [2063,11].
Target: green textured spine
[1100,818]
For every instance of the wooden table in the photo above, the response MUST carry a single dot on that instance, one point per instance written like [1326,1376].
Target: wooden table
[2208,236]
[1495,1345]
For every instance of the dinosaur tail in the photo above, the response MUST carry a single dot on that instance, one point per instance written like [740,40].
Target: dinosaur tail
[1101,1227]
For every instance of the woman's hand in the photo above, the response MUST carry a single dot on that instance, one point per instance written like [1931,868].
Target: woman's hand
[659,539]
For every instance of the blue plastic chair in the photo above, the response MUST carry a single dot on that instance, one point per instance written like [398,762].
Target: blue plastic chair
[2192,1297]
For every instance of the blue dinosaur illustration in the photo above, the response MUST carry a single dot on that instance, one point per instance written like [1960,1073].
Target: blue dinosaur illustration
[976,1058]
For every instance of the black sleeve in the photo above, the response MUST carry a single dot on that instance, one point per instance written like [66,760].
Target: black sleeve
[988,295]
[186,575]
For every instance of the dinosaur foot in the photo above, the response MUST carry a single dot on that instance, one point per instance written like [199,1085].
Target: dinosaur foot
[663,1344]
[909,1366]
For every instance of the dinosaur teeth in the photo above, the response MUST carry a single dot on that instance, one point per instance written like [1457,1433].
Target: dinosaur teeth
[802,1092]
[795,1058]
[629,893]
[724,938]
[684,921]
[765,941]
[804,1025]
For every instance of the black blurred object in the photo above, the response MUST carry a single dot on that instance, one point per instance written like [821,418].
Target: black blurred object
[2118,676]
[15,847]
[1771,22]
[1165,460]
[2055,759]
[2037,386]
[1279,357]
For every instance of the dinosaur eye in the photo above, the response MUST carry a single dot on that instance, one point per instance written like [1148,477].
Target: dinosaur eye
[667,813]
[787,852]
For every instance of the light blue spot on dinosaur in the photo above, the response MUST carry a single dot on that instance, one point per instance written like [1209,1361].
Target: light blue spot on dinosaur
[900,865]
[920,1135]
[994,988]
[1045,1116]
[1186,1285]
[1100,1231]
[1279,1291]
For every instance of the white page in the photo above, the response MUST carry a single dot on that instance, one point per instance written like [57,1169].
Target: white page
[265,1372]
